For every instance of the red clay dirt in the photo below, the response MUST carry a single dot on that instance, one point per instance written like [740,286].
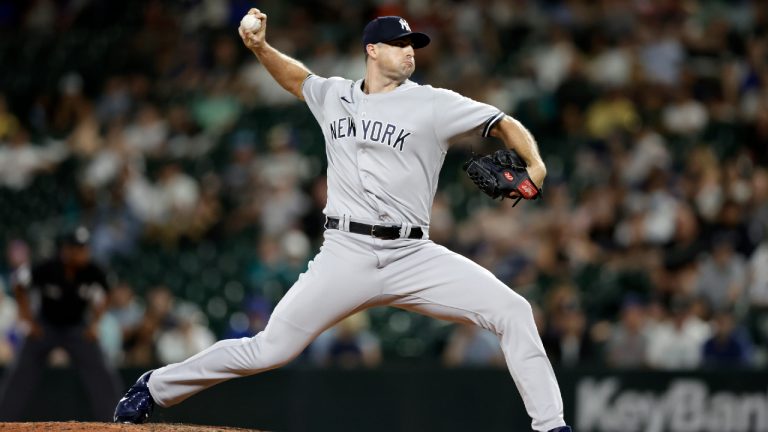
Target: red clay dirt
[112,427]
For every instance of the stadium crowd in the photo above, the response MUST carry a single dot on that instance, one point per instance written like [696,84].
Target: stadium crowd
[202,183]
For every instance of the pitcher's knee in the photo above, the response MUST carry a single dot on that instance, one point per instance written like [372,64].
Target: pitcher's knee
[514,310]
[517,304]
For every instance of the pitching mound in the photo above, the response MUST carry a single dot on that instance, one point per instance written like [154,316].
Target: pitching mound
[111,427]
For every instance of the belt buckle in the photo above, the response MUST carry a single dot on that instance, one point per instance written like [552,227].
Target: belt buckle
[383,236]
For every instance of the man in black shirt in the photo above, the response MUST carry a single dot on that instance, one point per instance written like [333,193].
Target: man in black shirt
[72,293]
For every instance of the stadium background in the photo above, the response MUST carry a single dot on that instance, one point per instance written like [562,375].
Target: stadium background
[202,181]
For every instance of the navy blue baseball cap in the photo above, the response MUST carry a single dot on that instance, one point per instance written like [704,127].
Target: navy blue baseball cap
[389,28]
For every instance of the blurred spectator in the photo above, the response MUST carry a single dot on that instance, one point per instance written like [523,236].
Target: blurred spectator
[757,136]
[217,109]
[758,276]
[729,345]
[686,245]
[758,294]
[147,133]
[283,163]
[648,155]
[206,214]
[188,337]
[722,275]
[676,342]
[613,62]
[167,205]
[8,326]
[39,113]
[41,17]
[9,123]
[257,81]
[241,172]
[757,217]
[116,229]
[281,171]
[125,308]
[108,163]
[349,344]
[686,115]
[295,249]
[628,344]
[70,103]
[178,192]
[266,270]
[442,224]
[314,219]
[115,102]
[85,139]
[279,264]
[567,339]
[651,213]
[703,171]
[250,323]
[575,91]
[111,339]
[612,113]
[470,345]
[731,223]
[20,161]
[17,256]
[661,54]
[553,60]
[185,137]
[205,14]
[139,343]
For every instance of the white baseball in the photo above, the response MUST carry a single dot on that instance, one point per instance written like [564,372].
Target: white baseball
[250,23]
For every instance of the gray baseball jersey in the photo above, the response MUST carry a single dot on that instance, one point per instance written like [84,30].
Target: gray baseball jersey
[384,153]
[385,150]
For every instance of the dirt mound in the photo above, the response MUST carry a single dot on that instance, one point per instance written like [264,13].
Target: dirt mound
[112,427]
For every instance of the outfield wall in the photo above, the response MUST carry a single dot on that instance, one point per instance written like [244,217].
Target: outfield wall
[425,399]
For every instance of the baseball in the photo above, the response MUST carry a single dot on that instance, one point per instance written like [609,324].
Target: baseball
[250,23]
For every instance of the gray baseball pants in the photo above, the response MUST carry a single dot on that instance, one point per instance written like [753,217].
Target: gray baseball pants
[353,272]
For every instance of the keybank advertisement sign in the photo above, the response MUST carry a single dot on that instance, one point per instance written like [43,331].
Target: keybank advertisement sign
[665,403]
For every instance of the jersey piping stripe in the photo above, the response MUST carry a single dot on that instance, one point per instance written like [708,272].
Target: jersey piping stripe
[305,80]
[492,122]
[352,92]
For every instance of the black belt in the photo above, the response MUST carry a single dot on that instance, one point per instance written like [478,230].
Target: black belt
[384,232]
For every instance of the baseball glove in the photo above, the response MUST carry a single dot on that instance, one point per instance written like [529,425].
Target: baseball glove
[501,174]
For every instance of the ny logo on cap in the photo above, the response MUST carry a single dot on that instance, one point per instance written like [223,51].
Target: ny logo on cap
[404,25]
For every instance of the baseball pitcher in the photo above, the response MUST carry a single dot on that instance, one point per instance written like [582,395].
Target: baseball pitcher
[386,138]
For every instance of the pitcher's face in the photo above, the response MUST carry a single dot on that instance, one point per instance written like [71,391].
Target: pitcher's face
[395,59]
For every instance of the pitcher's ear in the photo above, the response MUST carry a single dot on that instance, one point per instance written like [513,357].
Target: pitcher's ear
[371,50]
